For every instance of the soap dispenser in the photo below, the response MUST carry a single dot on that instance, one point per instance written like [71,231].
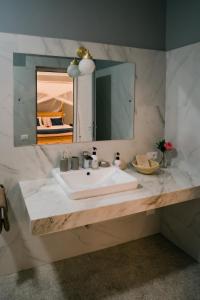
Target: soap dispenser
[95,162]
[117,160]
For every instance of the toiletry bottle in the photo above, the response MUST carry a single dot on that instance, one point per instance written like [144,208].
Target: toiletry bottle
[74,163]
[95,162]
[64,163]
[117,160]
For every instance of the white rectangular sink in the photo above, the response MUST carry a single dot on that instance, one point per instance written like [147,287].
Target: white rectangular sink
[84,183]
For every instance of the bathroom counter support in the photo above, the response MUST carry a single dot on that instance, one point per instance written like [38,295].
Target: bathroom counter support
[50,210]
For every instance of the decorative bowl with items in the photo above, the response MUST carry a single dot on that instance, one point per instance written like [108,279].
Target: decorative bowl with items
[147,166]
[148,170]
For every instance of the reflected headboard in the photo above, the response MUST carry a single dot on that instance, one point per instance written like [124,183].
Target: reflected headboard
[50,114]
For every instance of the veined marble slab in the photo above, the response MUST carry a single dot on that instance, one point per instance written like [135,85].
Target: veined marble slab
[181,223]
[50,210]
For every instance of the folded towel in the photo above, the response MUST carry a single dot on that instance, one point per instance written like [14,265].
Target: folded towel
[142,160]
[2,197]
[3,210]
[1,220]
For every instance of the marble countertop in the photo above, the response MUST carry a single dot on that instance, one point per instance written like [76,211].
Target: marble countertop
[50,210]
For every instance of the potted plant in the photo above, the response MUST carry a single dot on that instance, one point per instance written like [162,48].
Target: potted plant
[164,147]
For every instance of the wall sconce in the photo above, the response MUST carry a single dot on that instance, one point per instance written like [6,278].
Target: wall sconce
[73,69]
[86,65]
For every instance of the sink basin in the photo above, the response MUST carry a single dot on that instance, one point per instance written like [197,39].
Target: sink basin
[84,183]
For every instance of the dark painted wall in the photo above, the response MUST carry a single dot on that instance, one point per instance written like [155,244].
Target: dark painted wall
[182,23]
[136,23]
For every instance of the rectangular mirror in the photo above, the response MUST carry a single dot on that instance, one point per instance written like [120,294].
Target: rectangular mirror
[50,107]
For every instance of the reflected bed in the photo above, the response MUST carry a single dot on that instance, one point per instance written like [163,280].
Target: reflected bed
[54,132]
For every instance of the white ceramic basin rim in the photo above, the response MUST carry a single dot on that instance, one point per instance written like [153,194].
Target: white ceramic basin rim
[83,183]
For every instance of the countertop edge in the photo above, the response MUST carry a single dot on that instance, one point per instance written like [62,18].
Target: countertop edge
[94,215]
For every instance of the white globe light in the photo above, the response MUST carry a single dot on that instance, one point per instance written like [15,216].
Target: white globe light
[73,69]
[86,66]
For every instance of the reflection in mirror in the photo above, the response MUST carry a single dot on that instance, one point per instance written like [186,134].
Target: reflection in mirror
[54,107]
[114,100]
[50,107]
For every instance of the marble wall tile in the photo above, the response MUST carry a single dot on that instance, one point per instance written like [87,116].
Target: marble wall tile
[18,249]
[183,105]
[181,223]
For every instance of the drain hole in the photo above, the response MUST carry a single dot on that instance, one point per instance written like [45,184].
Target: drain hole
[88,173]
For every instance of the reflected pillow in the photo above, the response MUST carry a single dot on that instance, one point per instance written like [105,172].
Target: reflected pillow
[46,122]
[56,121]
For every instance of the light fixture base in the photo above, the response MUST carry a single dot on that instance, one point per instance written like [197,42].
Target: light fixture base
[74,62]
[81,52]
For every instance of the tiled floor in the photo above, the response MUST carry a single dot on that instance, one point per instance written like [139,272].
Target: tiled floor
[150,268]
